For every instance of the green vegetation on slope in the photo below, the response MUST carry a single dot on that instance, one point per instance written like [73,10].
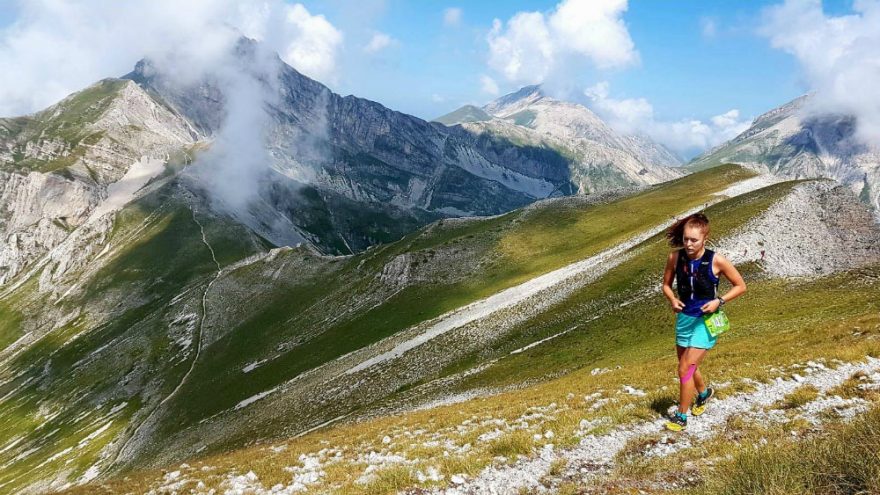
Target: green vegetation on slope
[843,461]
[121,346]
[613,331]
[467,113]
[65,124]
[313,310]
[767,333]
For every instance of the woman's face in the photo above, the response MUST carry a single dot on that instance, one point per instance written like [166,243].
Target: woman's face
[693,238]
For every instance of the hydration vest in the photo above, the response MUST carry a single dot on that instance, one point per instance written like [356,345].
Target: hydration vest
[694,281]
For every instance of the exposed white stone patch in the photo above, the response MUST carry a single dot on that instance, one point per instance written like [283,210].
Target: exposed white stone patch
[121,192]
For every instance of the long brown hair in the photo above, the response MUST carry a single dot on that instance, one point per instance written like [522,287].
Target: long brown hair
[675,233]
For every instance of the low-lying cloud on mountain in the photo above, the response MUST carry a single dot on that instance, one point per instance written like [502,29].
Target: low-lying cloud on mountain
[237,159]
[186,46]
[555,48]
[839,56]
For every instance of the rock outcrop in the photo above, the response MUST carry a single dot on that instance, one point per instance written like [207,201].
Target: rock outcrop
[817,229]
[602,159]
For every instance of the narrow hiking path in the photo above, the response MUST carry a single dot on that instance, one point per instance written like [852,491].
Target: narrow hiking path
[545,469]
[123,450]
[594,455]
[536,288]
[497,313]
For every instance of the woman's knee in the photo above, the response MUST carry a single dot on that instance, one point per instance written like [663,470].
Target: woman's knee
[686,371]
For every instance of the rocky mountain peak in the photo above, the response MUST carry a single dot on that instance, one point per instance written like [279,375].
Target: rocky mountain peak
[796,141]
[520,98]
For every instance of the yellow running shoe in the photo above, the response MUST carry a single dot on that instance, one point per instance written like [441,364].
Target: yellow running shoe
[700,403]
[677,422]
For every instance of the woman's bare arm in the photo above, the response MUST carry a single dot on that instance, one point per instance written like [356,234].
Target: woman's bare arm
[739,285]
[726,268]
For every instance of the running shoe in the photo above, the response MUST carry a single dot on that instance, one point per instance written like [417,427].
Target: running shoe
[700,403]
[677,421]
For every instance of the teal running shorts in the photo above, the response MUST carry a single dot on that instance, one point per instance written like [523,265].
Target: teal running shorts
[690,331]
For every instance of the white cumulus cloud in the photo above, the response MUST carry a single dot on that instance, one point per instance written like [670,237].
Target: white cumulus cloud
[840,57]
[686,137]
[55,48]
[533,46]
[312,43]
[488,85]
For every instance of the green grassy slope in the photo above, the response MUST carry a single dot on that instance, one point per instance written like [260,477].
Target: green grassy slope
[67,123]
[776,323]
[294,311]
[321,308]
[64,386]
[467,113]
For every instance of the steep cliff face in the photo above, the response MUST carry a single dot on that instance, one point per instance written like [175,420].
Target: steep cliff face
[793,142]
[56,165]
[331,156]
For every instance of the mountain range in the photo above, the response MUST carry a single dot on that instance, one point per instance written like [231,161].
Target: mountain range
[605,158]
[395,304]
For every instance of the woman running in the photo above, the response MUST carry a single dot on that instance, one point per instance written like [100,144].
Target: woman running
[695,270]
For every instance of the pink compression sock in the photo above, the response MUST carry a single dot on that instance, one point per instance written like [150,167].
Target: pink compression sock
[690,372]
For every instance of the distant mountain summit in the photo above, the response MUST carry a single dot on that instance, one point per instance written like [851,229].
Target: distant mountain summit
[467,113]
[347,173]
[604,159]
[791,142]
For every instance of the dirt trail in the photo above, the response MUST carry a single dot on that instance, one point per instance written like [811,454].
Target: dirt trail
[598,265]
[124,450]
[594,455]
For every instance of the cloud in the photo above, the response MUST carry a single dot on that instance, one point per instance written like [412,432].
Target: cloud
[238,159]
[534,46]
[839,55]
[686,137]
[452,17]
[312,43]
[379,42]
[488,85]
[55,48]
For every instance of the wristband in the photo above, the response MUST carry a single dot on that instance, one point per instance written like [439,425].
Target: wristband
[722,301]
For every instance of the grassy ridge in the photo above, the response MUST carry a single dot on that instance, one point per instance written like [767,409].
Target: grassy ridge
[67,121]
[618,331]
[512,248]
[78,372]
[767,333]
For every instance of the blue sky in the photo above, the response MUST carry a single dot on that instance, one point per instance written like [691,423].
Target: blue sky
[683,72]
[689,76]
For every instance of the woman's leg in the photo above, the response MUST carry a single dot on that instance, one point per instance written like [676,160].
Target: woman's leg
[699,384]
[687,367]
[698,377]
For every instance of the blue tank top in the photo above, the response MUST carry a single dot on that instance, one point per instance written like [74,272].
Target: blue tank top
[695,282]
